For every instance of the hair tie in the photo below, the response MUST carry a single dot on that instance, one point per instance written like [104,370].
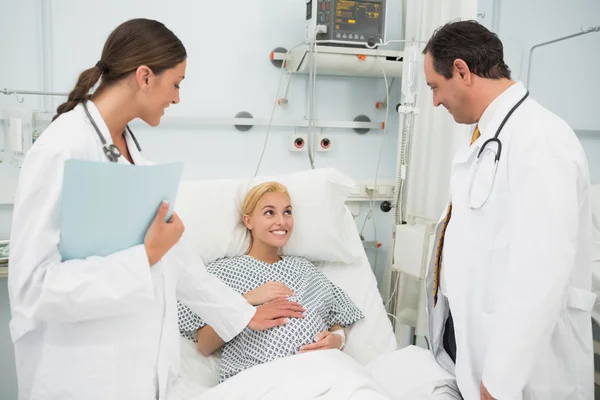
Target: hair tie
[102,67]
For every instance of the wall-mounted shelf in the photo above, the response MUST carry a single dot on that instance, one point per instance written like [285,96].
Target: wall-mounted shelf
[343,61]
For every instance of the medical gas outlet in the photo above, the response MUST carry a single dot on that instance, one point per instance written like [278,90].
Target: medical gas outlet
[298,142]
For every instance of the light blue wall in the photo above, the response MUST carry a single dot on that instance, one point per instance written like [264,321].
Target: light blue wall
[5,221]
[564,75]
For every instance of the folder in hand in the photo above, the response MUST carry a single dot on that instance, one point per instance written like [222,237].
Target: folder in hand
[108,207]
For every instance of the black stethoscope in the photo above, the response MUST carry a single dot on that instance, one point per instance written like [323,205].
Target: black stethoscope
[110,150]
[496,158]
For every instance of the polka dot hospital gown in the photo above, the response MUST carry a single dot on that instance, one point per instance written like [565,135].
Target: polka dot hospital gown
[326,305]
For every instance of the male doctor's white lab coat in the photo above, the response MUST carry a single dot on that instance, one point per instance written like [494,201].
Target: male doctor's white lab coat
[105,327]
[517,272]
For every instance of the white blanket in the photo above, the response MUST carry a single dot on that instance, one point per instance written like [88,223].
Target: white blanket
[407,374]
[413,374]
[323,375]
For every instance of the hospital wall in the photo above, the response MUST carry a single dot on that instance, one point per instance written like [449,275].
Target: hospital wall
[564,75]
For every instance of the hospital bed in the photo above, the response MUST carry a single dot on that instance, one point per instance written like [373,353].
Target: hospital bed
[370,366]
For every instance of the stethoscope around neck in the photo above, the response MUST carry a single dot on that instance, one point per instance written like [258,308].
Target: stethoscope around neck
[110,150]
[493,140]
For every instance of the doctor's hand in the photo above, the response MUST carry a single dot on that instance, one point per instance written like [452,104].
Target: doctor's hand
[162,236]
[485,395]
[267,292]
[324,340]
[275,313]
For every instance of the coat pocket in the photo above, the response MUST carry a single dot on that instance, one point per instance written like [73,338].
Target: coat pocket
[580,299]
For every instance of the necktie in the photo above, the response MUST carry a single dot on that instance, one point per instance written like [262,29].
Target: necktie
[440,244]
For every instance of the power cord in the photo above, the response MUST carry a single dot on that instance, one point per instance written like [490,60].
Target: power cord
[275,106]
[312,96]
[372,194]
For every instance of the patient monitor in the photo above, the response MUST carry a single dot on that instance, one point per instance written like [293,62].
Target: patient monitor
[355,23]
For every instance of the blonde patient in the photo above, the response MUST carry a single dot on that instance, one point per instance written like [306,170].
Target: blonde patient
[263,275]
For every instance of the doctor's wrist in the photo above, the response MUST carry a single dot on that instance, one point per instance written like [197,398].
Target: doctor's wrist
[248,297]
[153,256]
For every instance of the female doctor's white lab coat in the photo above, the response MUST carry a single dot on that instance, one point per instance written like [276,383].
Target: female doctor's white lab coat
[517,272]
[105,327]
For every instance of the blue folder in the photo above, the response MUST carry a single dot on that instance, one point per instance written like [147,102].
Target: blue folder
[108,207]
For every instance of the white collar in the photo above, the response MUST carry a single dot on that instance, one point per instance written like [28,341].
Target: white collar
[494,113]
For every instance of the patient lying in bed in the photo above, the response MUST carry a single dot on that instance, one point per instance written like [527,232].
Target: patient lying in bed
[261,276]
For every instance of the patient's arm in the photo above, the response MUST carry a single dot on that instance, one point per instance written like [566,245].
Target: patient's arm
[276,312]
[208,340]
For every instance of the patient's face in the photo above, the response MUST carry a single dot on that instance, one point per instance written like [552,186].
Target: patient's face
[272,222]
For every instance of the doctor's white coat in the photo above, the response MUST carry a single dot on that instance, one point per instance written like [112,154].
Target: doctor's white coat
[517,271]
[105,327]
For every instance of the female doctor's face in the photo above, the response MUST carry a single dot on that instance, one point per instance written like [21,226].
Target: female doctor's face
[271,222]
[158,92]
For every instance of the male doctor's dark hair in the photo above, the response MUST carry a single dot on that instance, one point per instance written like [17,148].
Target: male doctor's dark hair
[471,42]
[132,44]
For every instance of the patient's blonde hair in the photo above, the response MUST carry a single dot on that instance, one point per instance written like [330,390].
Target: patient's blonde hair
[255,194]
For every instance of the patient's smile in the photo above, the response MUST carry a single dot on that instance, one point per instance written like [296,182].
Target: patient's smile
[279,232]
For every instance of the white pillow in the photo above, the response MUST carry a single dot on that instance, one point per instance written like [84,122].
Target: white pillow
[212,213]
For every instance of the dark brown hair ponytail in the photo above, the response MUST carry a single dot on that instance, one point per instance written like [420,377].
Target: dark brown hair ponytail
[132,44]
[85,83]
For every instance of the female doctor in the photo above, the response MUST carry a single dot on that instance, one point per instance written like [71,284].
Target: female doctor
[106,327]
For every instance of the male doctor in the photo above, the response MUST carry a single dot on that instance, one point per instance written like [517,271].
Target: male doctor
[508,288]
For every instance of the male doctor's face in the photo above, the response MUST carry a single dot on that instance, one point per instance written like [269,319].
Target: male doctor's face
[450,93]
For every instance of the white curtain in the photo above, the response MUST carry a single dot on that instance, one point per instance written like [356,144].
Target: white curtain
[434,142]
[435,133]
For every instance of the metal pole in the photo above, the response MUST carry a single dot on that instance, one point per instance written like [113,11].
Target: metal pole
[583,32]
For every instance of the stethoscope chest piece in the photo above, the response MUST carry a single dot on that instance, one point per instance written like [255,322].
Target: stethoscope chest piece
[112,152]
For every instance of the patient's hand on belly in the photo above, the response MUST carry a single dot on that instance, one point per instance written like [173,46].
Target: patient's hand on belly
[324,340]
